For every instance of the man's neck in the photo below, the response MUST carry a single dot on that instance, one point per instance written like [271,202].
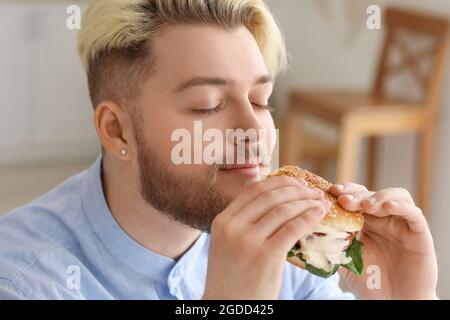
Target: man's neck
[137,218]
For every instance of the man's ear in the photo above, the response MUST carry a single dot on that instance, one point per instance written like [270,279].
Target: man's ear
[114,129]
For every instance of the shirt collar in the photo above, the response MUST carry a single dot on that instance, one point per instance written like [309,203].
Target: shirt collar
[116,240]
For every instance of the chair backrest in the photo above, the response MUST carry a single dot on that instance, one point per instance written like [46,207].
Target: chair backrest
[400,22]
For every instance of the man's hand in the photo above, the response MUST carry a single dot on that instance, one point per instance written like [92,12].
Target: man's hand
[396,239]
[250,239]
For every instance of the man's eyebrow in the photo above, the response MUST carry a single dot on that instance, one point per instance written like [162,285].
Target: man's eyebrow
[203,81]
[215,81]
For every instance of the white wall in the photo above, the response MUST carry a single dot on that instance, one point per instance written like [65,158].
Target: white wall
[45,112]
[325,54]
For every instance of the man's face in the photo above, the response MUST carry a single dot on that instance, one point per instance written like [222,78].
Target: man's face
[208,74]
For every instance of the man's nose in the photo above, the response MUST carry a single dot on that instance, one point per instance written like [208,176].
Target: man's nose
[247,119]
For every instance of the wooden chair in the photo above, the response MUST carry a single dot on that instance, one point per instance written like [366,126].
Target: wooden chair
[377,113]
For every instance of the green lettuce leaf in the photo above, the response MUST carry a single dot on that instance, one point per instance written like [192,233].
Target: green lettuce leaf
[320,272]
[354,251]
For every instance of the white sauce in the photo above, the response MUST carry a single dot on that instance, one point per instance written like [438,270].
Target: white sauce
[325,251]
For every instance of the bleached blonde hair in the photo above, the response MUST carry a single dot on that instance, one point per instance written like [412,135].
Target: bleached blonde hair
[114,42]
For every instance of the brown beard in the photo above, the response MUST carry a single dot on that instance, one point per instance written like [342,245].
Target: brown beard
[191,200]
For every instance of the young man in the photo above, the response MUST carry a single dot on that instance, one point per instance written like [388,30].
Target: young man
[138,226]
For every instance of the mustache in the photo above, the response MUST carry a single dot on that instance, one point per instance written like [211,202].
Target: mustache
[244,154]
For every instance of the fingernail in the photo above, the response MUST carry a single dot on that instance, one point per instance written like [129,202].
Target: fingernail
[339,186]
[371,200]
[302,181]
[319,191]
[349,196]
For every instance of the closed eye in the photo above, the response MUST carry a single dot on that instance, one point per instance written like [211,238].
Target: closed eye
[218,108]
[209,111]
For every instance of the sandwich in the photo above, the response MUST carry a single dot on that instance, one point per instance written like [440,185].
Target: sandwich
[333,243]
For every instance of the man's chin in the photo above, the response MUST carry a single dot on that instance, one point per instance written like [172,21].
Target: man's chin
[230,187]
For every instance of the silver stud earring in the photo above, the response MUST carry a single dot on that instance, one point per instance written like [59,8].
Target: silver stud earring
[123,152]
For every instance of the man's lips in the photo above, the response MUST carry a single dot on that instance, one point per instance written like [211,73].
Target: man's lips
[237,166]
[246,171]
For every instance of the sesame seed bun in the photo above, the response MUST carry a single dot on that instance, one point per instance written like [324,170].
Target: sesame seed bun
[337,217]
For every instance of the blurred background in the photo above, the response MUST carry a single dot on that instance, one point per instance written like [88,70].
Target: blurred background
[336,97]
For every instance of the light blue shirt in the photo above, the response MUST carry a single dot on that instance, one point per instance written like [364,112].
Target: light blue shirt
[67,245]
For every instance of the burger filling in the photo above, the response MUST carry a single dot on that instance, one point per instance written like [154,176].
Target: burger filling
[327,248]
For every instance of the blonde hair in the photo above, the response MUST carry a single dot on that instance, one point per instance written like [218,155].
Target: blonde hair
[115,38]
